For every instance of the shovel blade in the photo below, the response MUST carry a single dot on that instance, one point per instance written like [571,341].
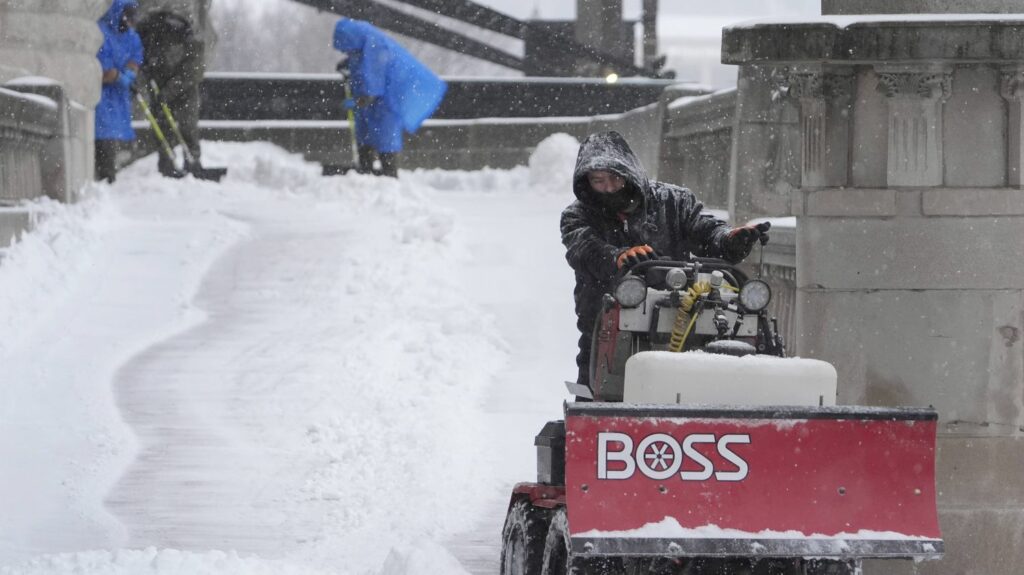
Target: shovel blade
[209,174]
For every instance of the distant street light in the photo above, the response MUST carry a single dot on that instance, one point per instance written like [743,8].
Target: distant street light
[612,78]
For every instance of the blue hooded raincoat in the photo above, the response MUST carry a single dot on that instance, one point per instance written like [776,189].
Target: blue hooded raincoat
[114,111]
[406,91]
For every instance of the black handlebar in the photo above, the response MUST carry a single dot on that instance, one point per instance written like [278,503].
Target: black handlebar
[705,264]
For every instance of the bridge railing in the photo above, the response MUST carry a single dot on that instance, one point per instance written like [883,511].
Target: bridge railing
[697,151]
[483,122]
[697,145]
[45,140]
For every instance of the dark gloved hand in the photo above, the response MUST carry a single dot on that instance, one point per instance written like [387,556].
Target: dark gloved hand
[360,102]
[126,80]
[740,241]
[634,255]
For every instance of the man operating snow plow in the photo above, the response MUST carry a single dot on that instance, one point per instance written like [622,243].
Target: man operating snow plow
[705,451]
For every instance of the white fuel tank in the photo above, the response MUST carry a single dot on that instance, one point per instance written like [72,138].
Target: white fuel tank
[695,377]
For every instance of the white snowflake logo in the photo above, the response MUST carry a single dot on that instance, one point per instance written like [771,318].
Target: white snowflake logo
[659,456]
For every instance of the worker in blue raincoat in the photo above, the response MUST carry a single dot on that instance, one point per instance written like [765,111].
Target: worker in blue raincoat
[120,57]
[392,92]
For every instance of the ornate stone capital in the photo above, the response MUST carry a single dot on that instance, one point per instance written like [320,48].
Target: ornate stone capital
[1011,83]
[813,84]
[927,84]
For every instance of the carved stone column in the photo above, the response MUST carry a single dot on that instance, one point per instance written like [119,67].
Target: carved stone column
[916,97]
[58,40]
[1012,89]
[824,98]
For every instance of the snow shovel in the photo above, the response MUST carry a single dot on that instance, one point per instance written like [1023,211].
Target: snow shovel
[336,169]
[191,165]
[165,147]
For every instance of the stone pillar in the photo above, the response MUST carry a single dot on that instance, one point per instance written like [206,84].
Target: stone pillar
[599,25]
[650,24]
[58,40]
[907,270]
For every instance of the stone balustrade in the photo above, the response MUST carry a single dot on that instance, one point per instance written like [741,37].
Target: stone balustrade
[50,78]
[27,123]
[697,145]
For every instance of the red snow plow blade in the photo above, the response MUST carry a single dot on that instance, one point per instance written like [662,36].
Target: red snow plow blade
[829,482]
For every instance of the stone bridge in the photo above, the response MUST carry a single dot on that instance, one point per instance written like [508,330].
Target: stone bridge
[888,151]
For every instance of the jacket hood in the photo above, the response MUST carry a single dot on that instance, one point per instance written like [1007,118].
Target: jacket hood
[606,151]
[112,17]
[351,35]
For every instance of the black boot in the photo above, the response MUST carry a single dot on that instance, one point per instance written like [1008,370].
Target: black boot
[389,165]
[166,167]
[366,157]
[105,156]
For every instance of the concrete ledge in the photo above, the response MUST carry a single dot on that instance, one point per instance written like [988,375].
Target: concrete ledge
[919,6]
[973,202]
[848,202]
[872,39]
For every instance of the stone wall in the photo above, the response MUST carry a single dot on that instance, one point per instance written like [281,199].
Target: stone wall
[447,144]
[697,145]
[904,138]
[56,39]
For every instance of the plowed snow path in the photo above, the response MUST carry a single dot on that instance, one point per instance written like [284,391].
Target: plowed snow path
[313,372]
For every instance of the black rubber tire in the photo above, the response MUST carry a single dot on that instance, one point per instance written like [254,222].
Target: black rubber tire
[558,557]
[522,539]
[557,552]
[831,567]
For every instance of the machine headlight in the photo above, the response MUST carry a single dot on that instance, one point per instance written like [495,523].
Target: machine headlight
[676,278]
[631,291]
[755,295]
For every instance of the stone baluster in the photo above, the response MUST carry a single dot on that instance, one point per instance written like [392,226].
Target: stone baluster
[915,97]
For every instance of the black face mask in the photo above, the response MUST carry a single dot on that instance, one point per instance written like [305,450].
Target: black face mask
[127,19]
[624,200]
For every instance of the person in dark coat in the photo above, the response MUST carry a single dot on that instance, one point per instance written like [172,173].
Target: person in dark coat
[620,218]
[392,92]
[175,63]
[120,56]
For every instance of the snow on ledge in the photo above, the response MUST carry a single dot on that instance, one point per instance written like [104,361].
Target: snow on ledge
[32,81]
[34,98]
[847,21]
[691,100]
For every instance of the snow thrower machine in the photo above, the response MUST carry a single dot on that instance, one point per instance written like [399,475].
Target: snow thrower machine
[699,448]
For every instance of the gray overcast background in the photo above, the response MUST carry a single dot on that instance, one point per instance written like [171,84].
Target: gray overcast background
[742,9]
[286,36]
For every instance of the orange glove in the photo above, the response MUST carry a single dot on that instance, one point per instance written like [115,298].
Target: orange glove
[634,255]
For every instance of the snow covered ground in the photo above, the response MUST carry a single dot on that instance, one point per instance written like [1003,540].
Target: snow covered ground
[281,373]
